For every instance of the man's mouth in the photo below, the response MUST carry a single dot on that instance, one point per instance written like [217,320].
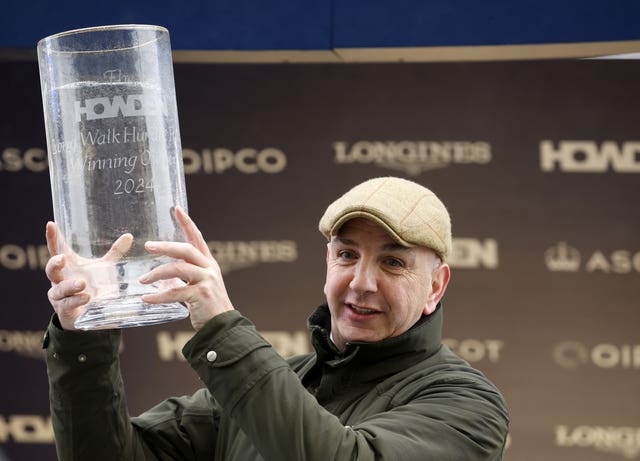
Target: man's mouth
[361,310]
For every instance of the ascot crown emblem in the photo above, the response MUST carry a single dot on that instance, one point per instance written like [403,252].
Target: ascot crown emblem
[562,257]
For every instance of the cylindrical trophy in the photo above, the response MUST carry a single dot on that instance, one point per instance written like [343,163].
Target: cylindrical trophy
[115,162]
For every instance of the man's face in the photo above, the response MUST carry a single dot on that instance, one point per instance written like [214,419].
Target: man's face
[376,288]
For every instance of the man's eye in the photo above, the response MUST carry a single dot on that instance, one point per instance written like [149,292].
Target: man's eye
[393,262]
[346,254]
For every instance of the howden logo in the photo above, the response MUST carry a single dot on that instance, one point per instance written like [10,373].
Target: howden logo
[133,105]
[25,343]
[589,157]
[286,343]
[26,429]
[470,253]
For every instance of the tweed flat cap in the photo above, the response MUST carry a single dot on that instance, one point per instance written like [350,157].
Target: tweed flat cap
[410,213]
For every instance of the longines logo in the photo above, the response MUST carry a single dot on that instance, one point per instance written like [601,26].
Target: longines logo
[287,343]
[413,157]
[589,157]
[470,253]
[26,429]
[248,161]
[574,354]
[564,258]
[33,159]
[26,343]
[476,350]
[234,255]
[17,257]
[624,441]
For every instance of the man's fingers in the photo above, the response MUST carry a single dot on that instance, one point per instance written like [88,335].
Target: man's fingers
[56,243]
[173,295]
[52,238]
[67,299]
[65,289]
[70,308]
[179,269]
[192,232]
[54,267]
[179,250]
[119,248]
[64,306]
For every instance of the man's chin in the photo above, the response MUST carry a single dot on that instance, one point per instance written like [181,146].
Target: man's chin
[359,336]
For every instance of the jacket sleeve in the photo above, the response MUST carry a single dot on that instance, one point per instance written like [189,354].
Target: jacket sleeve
[88,407]
[266,399]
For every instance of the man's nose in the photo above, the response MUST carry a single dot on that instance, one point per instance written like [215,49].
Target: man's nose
[364,278]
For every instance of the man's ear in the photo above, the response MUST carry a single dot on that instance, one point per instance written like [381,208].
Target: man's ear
[439,282]
[327,259]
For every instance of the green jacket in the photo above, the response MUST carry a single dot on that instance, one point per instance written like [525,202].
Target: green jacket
[403,398]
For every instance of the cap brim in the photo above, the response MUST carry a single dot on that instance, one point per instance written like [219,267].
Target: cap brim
[371,217]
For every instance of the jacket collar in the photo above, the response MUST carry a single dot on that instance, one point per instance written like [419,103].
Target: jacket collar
[423,338]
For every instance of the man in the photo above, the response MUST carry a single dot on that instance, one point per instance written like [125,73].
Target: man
[380,386]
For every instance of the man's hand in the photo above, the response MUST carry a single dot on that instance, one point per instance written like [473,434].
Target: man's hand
[204,291]
[68,296]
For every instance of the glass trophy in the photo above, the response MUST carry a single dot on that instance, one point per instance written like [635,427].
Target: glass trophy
[115,163]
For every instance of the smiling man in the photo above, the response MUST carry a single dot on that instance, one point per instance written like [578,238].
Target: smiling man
[379,386]
[377,288]
[387,240]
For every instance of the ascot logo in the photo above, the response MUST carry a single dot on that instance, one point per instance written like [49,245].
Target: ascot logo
[562,258]
[624,441]
[565,258]
[589,157]
[476,350]
[413,157]
[235,255]
[33,159]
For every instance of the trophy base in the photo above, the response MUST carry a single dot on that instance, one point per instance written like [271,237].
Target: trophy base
[128,312]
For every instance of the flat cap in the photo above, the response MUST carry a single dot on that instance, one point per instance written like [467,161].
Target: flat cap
[409,212]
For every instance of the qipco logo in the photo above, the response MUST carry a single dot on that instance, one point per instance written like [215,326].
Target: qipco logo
[17,257]
[248,161]
[572,355]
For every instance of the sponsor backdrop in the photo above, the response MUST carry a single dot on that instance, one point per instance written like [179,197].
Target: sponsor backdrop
[538,162]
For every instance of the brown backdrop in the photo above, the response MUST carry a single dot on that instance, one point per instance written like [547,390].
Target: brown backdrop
[538,163]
